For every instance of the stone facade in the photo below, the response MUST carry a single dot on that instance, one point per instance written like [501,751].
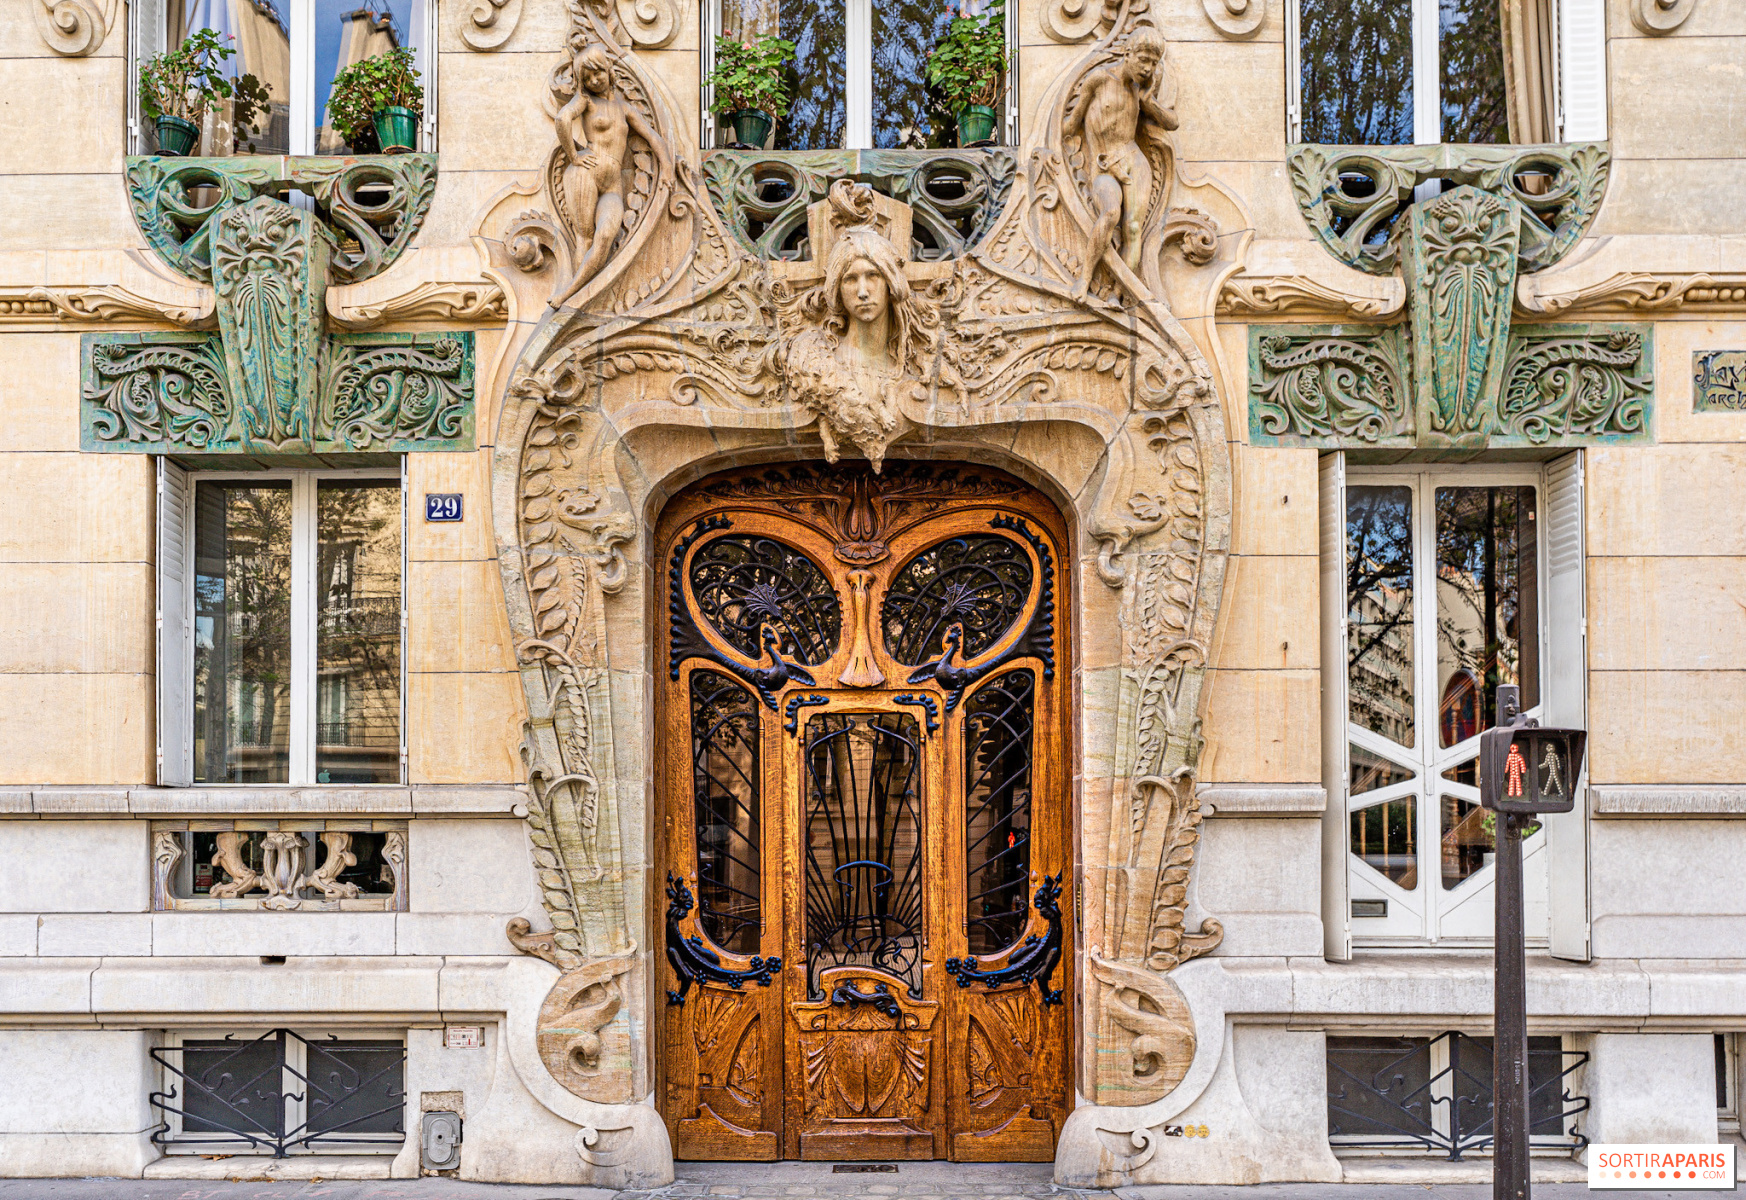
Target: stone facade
[1156,376]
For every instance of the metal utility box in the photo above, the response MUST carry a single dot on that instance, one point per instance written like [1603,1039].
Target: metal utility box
[439,1142]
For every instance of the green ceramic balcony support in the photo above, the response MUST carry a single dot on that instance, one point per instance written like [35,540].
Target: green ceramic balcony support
[271,380]
[1459,376]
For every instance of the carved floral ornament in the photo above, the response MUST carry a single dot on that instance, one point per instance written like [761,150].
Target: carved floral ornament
[1458,374]
[661,331]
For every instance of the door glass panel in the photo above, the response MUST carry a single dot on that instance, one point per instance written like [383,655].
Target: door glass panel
[980,582]
[1357,74]
[863,889]
[903,33]
[242,633]
[1385,837]
[743,583]
[1469,839]
[357,633]
[1470,52]
[1487,605]
[726,804]
[1379,591]
[816,114]
[1371,773]
[998,723]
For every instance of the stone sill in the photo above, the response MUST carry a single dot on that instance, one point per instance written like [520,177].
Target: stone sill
[257,1168]
[1667,800]
[1424,1170]
[1262,799]
[495,800]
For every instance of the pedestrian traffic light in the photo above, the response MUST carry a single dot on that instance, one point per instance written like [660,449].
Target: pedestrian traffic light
[1527,768]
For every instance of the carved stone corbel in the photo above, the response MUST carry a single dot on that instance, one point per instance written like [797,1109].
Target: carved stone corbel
[1658,17]
[74,28]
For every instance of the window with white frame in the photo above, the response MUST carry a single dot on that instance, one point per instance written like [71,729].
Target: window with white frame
[294,48]
[281,1092]
[281,627]
[1446,582]
[1403,72]
[859,79]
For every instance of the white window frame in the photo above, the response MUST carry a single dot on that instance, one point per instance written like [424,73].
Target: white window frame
[857,76]
[1579,87]
[176,616]
[148,35]
[1558,853]
[296,1112]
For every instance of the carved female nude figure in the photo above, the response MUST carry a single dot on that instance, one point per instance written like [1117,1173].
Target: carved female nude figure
[594,129]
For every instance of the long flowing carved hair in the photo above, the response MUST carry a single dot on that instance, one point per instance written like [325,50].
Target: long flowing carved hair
[916,328]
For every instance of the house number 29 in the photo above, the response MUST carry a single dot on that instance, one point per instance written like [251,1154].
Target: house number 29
[442,506]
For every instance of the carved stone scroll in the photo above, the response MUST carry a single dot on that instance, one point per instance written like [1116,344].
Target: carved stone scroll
[1659,17]
[74,28]
[1236,18]
[487,24]
[1144,1032]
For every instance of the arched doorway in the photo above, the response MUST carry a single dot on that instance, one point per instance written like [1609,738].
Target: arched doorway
[864,775]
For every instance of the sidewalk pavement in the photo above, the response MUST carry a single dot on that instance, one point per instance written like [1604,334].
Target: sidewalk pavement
[775,1181]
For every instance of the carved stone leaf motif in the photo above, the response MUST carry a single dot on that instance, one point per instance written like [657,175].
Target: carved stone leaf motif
[581,1040]
[1340,383]
[92,305]
[1245,296]
[169,389]
[397,391]
[1633,291]
[482,301]
[1576,381]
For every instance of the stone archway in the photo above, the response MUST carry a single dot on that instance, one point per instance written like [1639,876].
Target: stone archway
[681,355]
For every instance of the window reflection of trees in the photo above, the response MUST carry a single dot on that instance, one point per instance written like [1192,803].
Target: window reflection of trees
[1357,72]
[1471,52]
[1379,590]
[1487,616]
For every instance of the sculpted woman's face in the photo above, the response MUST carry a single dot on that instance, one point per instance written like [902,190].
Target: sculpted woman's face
[866,297]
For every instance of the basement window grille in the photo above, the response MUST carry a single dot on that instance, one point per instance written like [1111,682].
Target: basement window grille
[1434,1094]
[280,1093]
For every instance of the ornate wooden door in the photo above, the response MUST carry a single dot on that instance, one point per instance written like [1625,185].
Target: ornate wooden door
[865,782]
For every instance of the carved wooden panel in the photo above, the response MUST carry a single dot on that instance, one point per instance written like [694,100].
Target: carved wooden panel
[865,788]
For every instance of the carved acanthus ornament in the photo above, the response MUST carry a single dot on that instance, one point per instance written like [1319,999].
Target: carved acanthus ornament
[890,327]
[272,380]
[96,304]
[473,301]
[1457,376]
[1245,296]
[1633,291]
[74,28]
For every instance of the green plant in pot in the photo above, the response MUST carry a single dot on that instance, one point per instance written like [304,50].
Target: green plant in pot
[968,71]
[178,87]
[751,85]
[377,103]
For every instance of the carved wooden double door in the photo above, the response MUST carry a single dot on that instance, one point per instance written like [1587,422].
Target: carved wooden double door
[866,780]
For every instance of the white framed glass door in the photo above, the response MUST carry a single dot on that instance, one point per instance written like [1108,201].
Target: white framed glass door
[1442,572]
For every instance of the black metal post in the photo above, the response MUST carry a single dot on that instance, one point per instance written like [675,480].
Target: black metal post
[1509,1041]
[1509,1062]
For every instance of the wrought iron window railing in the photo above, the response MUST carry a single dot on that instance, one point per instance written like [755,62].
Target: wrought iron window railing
[1403,1093]
[280,1093]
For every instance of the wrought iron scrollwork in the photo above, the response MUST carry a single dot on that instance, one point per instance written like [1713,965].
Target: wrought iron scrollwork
[880,998]
[792,709]
[961,597]
[924,702]
[766,600]
[694,961]
[1034,960]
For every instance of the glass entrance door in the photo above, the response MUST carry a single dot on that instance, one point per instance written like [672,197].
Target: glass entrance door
[865,854]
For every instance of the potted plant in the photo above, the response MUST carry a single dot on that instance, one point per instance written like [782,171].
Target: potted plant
[380,95]
[177,88]
[968,70]
[751,85]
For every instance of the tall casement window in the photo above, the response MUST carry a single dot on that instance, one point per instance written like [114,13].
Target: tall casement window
[280,602]
[1403,72]
[860,75]
[294,48]
[1450,582]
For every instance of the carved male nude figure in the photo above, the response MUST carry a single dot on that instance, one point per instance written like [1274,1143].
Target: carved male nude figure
[594,129]
[1113,104]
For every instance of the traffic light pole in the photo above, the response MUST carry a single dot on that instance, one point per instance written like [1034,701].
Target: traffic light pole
[1509,1043]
